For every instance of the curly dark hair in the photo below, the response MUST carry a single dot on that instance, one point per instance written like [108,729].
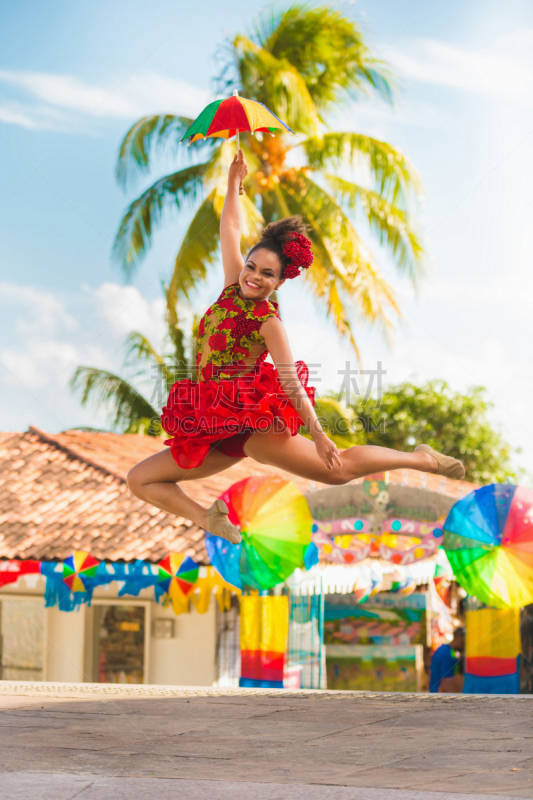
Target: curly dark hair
[277,234]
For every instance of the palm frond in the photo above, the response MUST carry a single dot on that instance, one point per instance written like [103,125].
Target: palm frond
[390,223]
[124,404]
[321,276]
[198,251]
[327,49]
[135,232]
[140,348]
[338,420]
[251,217]
[299,62]
[275,83]
[146,427]
[394,176]
[344,275]
[145,134]
[175,331]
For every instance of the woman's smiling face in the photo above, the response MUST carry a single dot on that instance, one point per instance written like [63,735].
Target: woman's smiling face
[261,275]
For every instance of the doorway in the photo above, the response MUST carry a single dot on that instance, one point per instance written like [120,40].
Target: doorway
[119,646]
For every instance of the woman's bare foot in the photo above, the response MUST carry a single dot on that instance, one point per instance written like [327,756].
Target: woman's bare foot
[446,465]
[219,524]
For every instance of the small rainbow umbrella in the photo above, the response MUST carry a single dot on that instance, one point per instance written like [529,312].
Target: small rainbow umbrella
[234,115]
[177,571]
[488,538]
[275,523]
[226,118]
[77,568]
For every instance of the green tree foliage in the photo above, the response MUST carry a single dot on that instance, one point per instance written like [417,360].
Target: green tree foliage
[303,63]
[453,423]
[407,414]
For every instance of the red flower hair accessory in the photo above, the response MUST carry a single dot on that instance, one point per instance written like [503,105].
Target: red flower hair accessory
[299,255]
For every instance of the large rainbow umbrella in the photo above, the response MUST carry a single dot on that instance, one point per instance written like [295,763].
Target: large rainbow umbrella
[177,572]
[488,538]
[77,568]
[275,523]
[234,115]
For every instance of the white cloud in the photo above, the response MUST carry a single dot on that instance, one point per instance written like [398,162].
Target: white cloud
[135,96]
[12,117]
[43,345]
[47,342]
[45,337]
[42,313]
[37,362]
[67,91]
[124,309]
[505,72]
[378,117]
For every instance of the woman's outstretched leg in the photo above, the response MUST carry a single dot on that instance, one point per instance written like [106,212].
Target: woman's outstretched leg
[298,455]
[155,480]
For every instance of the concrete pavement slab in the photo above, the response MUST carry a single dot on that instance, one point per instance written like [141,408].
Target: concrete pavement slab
[355,744]
[45,786]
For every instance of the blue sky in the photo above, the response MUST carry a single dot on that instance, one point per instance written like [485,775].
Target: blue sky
[74,77]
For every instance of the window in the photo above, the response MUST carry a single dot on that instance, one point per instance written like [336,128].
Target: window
[21,639]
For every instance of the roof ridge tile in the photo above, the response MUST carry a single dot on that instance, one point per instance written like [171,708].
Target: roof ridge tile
[50,438]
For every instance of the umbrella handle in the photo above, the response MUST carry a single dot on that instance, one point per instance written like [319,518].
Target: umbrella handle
[241,185]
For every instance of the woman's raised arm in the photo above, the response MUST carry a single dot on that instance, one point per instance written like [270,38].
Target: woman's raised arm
[230,223]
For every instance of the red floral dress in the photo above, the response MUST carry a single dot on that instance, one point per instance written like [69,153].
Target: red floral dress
[237,391]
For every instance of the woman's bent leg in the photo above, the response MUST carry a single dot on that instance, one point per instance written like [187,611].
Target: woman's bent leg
[155,480]
[298,455]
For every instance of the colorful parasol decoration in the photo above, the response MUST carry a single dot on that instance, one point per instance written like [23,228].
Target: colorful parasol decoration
[177,572]
[275,522]
[488,538]
[77,568]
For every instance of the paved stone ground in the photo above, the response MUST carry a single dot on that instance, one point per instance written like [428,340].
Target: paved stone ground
[94,742]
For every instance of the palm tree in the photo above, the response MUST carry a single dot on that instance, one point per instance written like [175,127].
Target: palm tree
[303,63]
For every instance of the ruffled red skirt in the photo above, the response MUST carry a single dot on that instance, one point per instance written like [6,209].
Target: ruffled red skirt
[199,414]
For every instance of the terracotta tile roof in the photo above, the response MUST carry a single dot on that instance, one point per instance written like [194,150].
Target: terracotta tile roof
[67,491]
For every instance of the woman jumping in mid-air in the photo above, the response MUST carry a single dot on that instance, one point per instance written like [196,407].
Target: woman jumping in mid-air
[242,405]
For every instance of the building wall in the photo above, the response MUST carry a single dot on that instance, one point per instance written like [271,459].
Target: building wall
[188,659]
[64,645]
